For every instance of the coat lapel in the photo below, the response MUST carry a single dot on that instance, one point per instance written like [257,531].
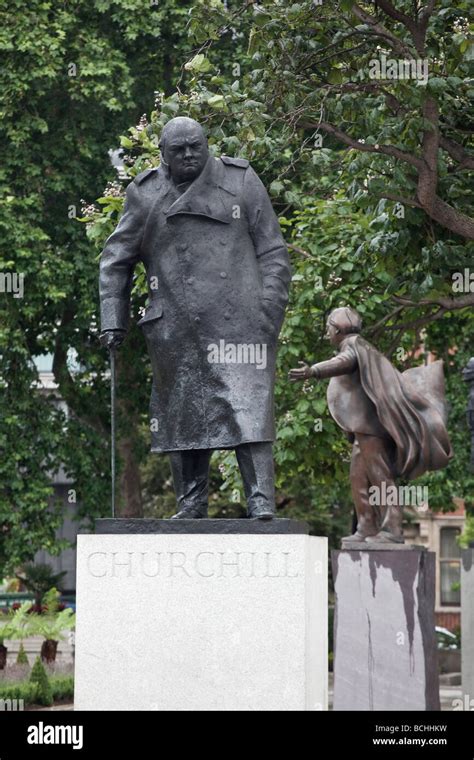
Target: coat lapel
[205,196]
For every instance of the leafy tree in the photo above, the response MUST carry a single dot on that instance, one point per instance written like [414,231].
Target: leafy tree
[358,208]
[370,178]
[39,578]
[330,69]
[74,76]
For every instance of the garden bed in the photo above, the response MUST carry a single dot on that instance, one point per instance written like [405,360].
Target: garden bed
[15,684]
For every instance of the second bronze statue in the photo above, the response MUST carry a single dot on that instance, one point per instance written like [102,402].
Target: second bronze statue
[396,422]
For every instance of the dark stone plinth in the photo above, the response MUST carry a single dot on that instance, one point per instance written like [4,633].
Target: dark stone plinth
[149,525]
[373,547]
[467,626]
[384,631]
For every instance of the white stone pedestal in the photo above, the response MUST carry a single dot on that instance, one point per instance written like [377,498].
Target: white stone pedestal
[201,622]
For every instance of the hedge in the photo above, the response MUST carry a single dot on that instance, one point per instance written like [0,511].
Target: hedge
[62,688]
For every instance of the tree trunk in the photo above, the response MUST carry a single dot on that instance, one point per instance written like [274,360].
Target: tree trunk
[48,651]
[3,656]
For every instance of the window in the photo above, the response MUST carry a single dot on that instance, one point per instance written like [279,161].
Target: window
[450,567]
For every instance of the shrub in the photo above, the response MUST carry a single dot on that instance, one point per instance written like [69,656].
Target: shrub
[25,690]
[62,688]
[39,676]
[22,659]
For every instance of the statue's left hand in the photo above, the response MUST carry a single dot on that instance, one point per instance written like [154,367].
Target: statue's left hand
[112,339]
[302,373]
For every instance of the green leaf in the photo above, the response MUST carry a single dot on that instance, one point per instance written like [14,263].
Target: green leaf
[253,41]
[198,64]
[335,76]
[217,102]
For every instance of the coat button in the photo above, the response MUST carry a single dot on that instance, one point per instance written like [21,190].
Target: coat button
[197,319]
[223,275]
[227,315]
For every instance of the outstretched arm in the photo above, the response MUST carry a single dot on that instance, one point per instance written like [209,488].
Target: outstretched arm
[342,364]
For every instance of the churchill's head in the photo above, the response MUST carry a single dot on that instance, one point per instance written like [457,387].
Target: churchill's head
[342,322]
[184,150]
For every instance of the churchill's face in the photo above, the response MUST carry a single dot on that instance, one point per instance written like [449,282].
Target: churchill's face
[185,151]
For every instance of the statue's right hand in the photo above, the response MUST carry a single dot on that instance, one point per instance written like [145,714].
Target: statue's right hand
[302,373]
[112,338]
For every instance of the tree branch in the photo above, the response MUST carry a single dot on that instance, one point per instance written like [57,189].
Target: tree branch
[427,12]
[391,11]
[353,86]
[399,199]
[387,150]
[427,199]
[456,151]
[443,306]
[419,31]
[375,329]
[381,31]
[453,220]
[416,323]
[428,171]
[449,303]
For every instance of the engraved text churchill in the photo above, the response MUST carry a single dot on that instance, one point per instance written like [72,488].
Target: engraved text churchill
[204,564]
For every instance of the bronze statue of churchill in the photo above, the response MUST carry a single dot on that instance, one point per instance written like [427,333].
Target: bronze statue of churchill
[218,275]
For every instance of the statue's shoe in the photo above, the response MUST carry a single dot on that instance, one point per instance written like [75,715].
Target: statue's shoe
[261,512]
[355,538]
[190,513]
[385,537]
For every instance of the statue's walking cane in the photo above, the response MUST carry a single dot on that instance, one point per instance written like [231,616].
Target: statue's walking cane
[112,423]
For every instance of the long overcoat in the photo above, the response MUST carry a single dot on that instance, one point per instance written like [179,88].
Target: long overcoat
[218,276]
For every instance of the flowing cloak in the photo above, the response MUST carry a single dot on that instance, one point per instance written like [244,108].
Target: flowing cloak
[410,407]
